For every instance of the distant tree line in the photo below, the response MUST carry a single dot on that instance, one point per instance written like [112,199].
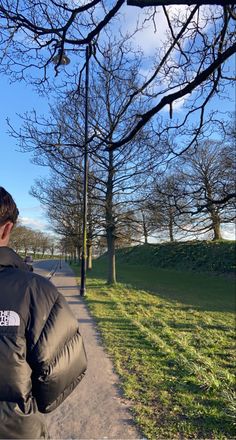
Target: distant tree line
[25,241]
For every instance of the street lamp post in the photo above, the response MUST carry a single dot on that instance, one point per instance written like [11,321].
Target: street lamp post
[62,59]
[85,183]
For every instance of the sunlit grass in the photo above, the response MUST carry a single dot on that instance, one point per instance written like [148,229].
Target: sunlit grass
[173,351]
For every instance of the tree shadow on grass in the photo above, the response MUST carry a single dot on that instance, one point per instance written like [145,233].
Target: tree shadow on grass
[126,334]
[107,302]
[177,380]
[209,426]
[137,350]
[200,300]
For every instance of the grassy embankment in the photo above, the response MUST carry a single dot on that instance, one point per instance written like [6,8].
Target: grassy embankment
[172,341]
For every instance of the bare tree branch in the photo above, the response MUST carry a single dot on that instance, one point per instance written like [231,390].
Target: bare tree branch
[169,99]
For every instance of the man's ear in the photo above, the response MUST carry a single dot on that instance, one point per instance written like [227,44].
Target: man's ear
[5,231]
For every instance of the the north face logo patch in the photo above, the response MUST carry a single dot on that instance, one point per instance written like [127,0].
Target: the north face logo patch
[9,318]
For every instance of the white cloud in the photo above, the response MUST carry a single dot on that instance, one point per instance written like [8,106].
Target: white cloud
[33,223]
[31,209]
[153,36]
[148,39]
[177,105]
[229,231]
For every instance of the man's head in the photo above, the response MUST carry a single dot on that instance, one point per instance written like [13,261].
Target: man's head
[8,216]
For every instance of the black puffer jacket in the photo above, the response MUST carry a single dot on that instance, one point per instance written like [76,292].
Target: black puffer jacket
[42,357]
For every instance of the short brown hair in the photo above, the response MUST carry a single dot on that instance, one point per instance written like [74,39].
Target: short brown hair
[8,208]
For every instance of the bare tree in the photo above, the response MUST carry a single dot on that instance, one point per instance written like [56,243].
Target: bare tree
[208,172]
[25,240]
[146,3]
[163,205]
[18,237]
[190,65]
[196,195]
[114,176]
[34,33]
[192,68]
[22,239]
[117,174]
[36,243]
[63,205]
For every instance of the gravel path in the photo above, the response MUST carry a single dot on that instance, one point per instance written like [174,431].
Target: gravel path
[96,408]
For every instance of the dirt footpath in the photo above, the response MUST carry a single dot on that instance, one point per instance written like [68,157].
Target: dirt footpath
[96,408]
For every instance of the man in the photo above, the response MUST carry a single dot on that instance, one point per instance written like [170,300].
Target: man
[42,357]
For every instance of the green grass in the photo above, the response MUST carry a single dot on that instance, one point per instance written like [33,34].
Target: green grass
[172,345]
[217,256]
[200,290]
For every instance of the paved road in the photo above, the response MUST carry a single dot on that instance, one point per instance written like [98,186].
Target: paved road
[46,267]
[96,409]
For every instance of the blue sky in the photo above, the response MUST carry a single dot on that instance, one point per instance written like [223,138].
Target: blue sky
[17,173]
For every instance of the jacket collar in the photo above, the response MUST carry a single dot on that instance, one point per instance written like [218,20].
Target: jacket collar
[9,258]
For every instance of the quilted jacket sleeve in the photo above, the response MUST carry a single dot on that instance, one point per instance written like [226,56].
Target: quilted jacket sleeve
[58,359]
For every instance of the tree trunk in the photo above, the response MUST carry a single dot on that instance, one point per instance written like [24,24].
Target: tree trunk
[171,235]
[171,225]
[214,215]
[89,255]
[110,224]
[111,279]
[90,239]
[216,226]
[79,253]
[145,232]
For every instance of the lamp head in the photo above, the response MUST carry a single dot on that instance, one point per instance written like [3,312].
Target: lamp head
[61,58]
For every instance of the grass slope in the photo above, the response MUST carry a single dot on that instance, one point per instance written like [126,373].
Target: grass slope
[218,256]
[172,345]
